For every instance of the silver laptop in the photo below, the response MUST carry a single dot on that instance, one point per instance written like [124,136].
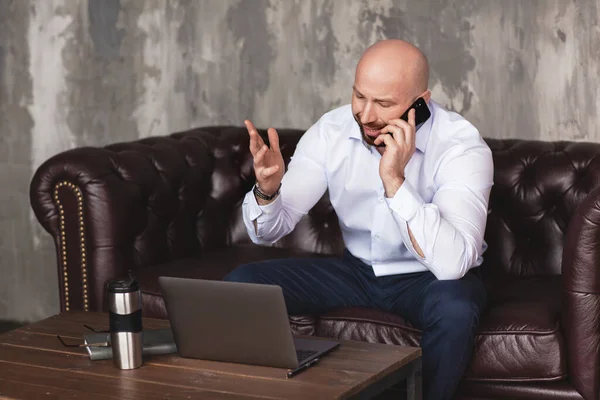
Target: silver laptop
[236,322]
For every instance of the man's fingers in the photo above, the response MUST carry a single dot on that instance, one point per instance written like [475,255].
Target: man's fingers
[385,138]
[260,155]
[396,132]
[408,128]
[399,123]
[273,139]
[249,125]
[410,134]
[411,117]
[267,172]
[256,141]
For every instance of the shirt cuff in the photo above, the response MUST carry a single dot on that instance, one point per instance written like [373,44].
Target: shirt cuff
[255,210]
[406,202]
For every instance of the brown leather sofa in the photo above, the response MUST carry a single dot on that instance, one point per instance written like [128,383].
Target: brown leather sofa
[171,206]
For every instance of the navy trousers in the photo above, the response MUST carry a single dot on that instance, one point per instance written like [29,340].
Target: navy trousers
[447,312]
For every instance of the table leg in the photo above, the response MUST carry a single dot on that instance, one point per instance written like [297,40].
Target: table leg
[414,385]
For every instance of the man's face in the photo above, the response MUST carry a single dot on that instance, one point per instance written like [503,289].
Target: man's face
[374,103]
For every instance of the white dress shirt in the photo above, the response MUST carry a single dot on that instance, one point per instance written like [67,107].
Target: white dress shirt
[444,198]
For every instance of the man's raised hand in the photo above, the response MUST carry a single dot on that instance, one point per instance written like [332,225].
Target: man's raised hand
[268,162]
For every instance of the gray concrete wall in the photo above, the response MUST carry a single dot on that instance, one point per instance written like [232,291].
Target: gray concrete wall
[91,72]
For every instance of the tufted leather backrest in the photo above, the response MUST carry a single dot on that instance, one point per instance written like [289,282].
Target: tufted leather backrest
[166,198]
[156,189]
[537,188]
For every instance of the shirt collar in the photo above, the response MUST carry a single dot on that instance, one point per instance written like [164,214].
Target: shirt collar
[421,139]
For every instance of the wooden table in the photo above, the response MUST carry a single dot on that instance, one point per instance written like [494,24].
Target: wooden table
[35,365]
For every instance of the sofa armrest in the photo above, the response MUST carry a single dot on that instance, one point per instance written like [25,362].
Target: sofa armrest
[116,209]
[581,292]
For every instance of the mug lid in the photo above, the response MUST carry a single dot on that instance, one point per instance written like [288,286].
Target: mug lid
[125,285]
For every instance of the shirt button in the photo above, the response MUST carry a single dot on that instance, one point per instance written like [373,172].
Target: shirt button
[381,199]
[376,237]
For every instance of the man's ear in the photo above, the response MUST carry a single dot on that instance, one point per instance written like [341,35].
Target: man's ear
[426,96]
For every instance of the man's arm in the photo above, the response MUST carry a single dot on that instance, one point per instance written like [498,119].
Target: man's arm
[446,235]
[302,186]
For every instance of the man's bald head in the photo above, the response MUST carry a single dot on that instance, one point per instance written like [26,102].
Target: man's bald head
[395,63]
[390,76]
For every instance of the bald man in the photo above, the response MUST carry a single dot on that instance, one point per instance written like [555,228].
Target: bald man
[411,204]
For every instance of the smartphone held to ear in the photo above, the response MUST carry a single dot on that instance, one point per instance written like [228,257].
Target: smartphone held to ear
[422,114]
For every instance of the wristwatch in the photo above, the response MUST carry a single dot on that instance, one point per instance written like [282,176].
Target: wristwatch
[263,196]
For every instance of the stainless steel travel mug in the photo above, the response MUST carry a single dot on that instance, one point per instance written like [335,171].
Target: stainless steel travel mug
[125,314]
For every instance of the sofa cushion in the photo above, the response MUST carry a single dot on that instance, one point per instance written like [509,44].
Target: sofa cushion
[518,337]
[367,325]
